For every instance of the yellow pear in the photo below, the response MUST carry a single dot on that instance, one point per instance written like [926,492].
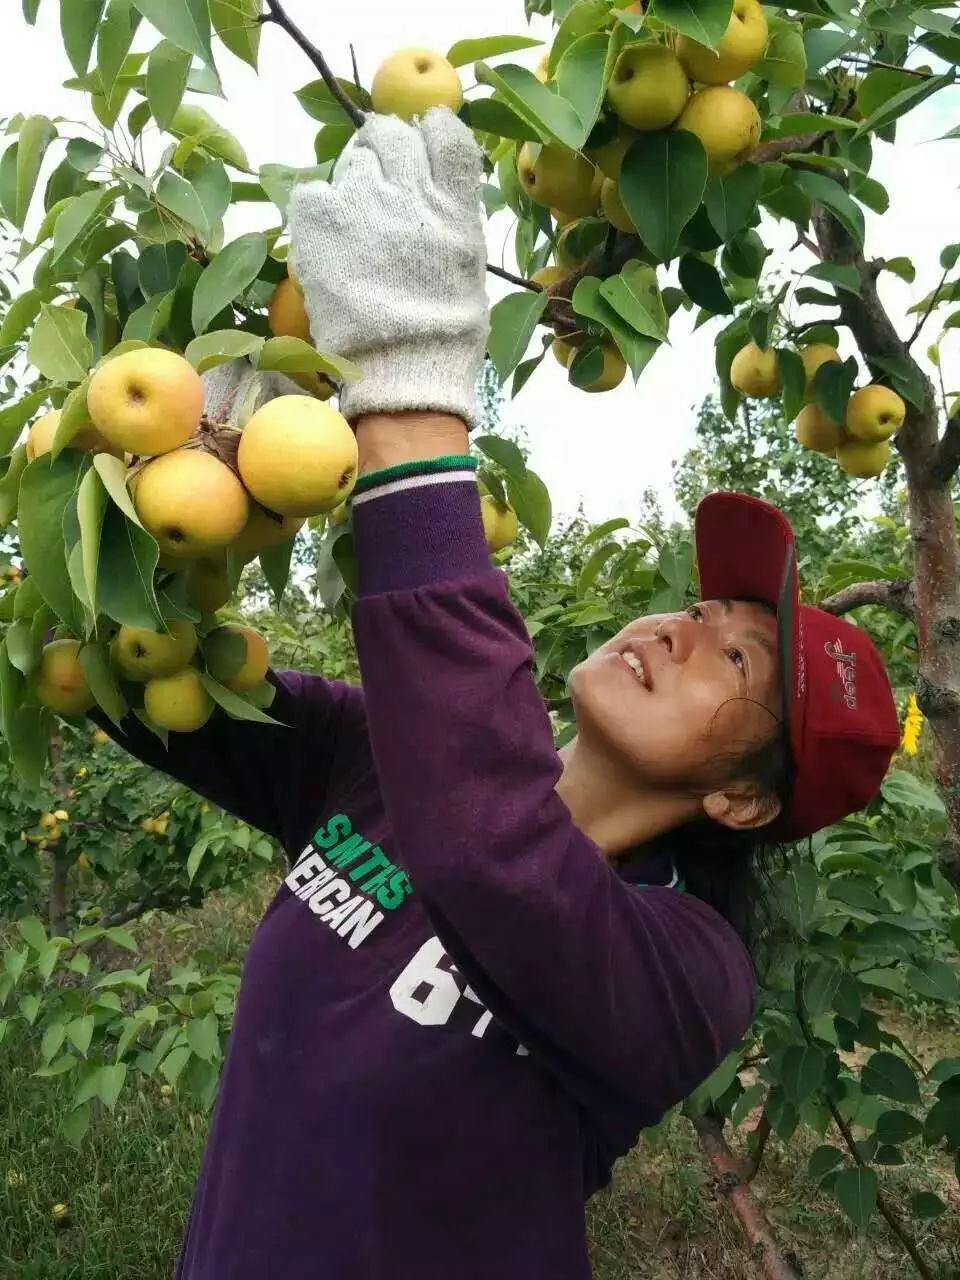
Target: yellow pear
[814,357]
[613,371]
[41,436]
[875,413]
[726,122]
[141,655]
[649,88]
[500,523]
[564,349]
[298,457]
[47,821]
[178,703]
[59,682]
[208,584]
[191,502]
[146,402]
[613,207]
[219,652]
[740,49]
[562,219]
[549,276]
[264,530]
[816,431]
[863,458]
[287,312]
[755,373]
[610,156]
[557,177]
[542,69]
[315,384]
[100,737]
[339,515]
[411,81]
[569,253]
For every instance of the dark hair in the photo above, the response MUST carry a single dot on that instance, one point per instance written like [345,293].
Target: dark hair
[731,869]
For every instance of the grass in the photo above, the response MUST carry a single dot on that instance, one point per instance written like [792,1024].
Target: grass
[128,1189]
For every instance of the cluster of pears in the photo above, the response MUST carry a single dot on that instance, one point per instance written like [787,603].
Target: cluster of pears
[654,86]
[860,444]
[165,664]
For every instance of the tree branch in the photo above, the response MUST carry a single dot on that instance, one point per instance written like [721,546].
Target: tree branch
[895,595]
[277,14]
[758,1139]
[780,147]
[855,60]
[946,456]
[508,275]
[893,1222]
[743,1203]
[927,311]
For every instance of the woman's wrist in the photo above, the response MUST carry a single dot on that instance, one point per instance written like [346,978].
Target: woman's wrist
[389,439]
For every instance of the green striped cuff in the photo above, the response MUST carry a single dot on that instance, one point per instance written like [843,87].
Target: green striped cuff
[451,462]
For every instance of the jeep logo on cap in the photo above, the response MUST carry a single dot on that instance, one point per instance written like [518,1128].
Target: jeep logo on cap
[846,670]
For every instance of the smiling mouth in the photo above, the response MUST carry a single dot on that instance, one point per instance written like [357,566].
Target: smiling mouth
[636,666]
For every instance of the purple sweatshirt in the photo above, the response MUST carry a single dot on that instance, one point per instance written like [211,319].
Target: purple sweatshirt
[455,1014]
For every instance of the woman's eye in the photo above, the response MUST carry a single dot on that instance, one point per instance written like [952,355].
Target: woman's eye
[736,657]
[695,612]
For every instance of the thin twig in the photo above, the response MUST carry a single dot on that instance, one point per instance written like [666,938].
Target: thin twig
[928,310]
[895,594]
[278,15]
[893,1222]
[760,1137]
[855,60]
[356,72]
[508,275]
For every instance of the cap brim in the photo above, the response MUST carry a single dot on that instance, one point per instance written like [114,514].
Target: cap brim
[746,550]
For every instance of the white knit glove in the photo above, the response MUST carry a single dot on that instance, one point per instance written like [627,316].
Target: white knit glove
[227,387]
[391,258]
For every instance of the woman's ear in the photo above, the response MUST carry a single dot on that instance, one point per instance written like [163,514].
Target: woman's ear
[742,807]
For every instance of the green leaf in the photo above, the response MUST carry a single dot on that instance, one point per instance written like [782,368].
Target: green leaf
[234,705]
[899,104]
[275,564]
[512,323]
[489,115]
[22,651]
[80,1032]
[593,566]
[823,1161]
[21,313]
[231,272]
[192,122]
[114,37]
[160,266]
[214,190]
[129,979]
[52,1041]
[79,216]
[934,979]
[856,1190]
[79,20]
[237,24]
[74,418]
[702,284]
[293,355]
[109,1083]
[802,123]
[793,379]
[801,1071]
[530,499]
[705,21]
[203,1037]
[798,895]
[32,931]
[924,1204]
[637,349]
[128,559]
[635,296]
[833,386]
[731,200]
[840,275]
[45,490]
[320,104]
[890,1077]
[580,77]
[184,22]
[906,790]
[178,195]
[15,416]
[59,346]
[821,980]
[465,51]
[554,119]
[504,452]
[167,69]
[211,349]
[784,62]
[897,1126]
[662,183]
[36,134]
[828,192]
[76,1123]
[98,670]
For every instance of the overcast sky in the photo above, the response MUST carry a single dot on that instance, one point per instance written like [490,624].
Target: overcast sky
[602,449]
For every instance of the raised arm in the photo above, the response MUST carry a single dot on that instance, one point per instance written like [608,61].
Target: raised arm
[638,990]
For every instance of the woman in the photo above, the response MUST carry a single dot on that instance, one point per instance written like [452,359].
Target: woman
[477,983]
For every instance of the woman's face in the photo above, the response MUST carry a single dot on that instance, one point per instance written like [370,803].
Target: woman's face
[676,698]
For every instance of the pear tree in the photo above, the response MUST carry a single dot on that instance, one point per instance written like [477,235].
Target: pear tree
[645,158]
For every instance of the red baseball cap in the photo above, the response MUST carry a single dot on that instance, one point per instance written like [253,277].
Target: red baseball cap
[841,718]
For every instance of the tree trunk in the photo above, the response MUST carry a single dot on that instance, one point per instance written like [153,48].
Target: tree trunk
[933,531]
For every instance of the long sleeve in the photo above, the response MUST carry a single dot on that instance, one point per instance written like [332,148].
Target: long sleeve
[273,776]
[644,989]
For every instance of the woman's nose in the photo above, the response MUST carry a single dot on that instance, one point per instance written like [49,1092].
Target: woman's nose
[677,636]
